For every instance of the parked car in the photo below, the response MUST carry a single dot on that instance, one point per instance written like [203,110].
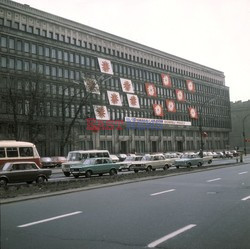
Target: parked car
[129,161]
[47,162]
[188,161]
[14,172]
[114,158]
[94,166]
[58,160]
[152,162]
[207,157]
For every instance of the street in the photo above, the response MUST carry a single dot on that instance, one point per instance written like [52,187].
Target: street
[202,210]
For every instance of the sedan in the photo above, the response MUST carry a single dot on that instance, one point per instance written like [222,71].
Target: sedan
[94,166]
[188,161]
[14,172]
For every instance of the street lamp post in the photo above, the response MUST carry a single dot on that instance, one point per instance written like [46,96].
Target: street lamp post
[200,125]
[244,134]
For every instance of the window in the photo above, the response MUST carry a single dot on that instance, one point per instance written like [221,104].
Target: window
[33,48]
[3,42]
[8,23]
[47,52]
[3,62]
[12,152]
[30,29]
[23,27]
[44,33]
[26,151]
[11,63]
[37,31]
[26,66]
[2,152]
[26,47]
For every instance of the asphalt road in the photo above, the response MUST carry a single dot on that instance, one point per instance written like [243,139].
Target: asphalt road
[202,210]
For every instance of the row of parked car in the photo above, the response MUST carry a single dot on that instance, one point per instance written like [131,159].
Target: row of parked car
[133,162]
[88,163]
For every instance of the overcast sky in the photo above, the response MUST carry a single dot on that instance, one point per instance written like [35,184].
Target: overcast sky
[214,33]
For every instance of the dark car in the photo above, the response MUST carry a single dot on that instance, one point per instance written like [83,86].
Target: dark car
[47,162]
[14,172]
[58,160]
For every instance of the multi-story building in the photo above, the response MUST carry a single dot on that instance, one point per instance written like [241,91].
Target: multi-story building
[240,135]
[44,60]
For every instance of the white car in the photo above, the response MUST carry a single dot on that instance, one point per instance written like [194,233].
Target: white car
[153,162]
[129,161]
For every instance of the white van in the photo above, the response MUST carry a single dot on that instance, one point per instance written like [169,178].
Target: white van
[78,156]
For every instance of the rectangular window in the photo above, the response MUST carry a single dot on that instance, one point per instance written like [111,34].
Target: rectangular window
[33,66]
[33,48]
[59,54]
[47,70]
[30,29]
[8,23]
[47,52]
[3,41]
[26,66]
[53,71]
[44,33]
[40,50]
[37,31]
[3,62]
[23,27]
[11,63]
[12,152]
[66,73]
[60,72]
[65,56]
[19,65]
[26,47]
[53,53]
[51,35]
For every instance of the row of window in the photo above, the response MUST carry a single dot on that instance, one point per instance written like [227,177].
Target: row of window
[94,47]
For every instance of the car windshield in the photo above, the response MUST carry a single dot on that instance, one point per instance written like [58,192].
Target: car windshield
[76,156]
[6,166]
[146,158]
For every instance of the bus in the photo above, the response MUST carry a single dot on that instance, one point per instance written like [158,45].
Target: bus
[13,151]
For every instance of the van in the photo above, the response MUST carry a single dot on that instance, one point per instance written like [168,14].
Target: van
[13,151]
[80,155]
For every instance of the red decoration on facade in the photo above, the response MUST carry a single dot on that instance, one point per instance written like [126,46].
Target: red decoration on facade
[193,113]
[180,95]
[158,110]
[151,89]
[170,105]
[190,85]
[166,80]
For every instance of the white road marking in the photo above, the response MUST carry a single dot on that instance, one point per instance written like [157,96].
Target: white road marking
[170,236]
[50,219]
[163,192]
[213,180]
[246,198]
[241,173]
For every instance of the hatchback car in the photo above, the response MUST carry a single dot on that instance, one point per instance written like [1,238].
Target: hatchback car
[14,172]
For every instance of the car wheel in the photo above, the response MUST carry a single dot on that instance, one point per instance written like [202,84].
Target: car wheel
[199,164]
[88,174]
[67,174]
[40,180]
[29,182]
[177,167]
[130,168]
[136,170]
[3,182]
[112,172]
[100,174]
[166,167]
[149,168]
[189,165]
[210,161]
[76,176]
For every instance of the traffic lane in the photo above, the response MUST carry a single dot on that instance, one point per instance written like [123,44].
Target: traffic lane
[123,216]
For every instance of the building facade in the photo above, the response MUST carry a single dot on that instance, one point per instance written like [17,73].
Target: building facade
[154,101]
[240,113]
